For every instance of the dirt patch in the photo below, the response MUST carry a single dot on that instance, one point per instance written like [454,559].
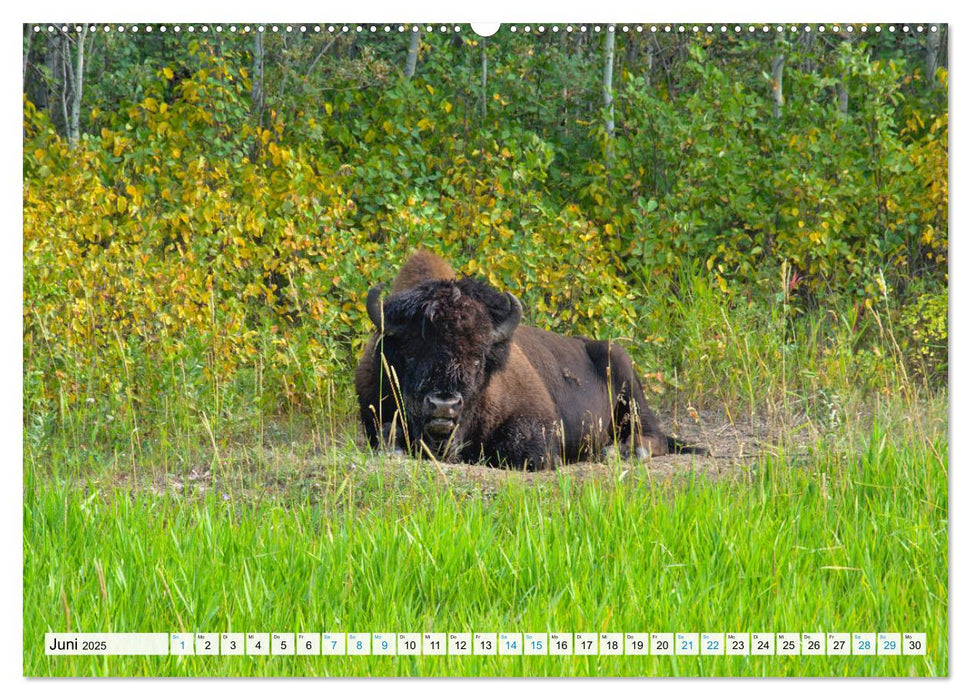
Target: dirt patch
[306,467]
[734,445]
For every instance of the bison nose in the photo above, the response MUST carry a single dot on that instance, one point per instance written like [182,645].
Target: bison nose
[443,405]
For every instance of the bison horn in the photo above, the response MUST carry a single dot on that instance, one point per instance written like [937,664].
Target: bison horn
[504,329]
[375,308]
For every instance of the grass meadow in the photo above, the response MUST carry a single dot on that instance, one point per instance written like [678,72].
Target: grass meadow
[288,524]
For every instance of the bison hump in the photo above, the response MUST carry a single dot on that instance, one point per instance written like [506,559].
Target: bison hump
[422,266]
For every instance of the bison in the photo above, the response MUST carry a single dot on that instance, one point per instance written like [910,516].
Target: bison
[450,372]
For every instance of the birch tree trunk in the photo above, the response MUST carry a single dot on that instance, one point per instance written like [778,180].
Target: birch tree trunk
[485,75]
[930,59]
[51,78]
[70,84]
[257,91]
[64,65]
[28,39]
[412,61]
[649,63]
[77,89]
[608,88]
[778,97]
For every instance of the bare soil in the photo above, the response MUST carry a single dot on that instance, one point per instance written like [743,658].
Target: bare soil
[733,446]
[281,467]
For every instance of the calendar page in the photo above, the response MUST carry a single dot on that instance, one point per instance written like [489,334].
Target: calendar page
[485,350]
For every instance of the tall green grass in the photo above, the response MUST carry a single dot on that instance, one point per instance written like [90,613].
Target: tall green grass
[755,353]
[835,540]
[763,352]
[186,504]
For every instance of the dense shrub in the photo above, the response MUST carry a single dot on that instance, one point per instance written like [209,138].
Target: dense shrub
[191,246]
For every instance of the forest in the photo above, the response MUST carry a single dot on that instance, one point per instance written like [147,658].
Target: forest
[222,203]
[759,213]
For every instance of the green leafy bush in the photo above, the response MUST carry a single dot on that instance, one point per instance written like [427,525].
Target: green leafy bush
[192,250]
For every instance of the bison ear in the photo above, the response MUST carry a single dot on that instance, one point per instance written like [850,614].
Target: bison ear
[504,328]
[375,307]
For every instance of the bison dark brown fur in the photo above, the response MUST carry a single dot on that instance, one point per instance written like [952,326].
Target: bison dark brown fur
[451,373]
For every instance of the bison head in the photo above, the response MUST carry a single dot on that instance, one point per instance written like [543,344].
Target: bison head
[443,340]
